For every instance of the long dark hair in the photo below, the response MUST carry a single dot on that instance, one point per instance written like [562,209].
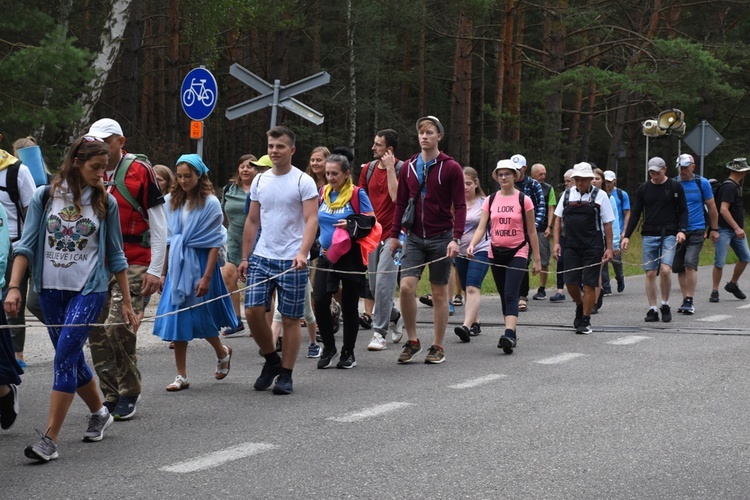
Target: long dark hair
[83,149]
[202,190]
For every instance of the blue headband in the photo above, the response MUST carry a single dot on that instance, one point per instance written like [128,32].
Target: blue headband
[194,160]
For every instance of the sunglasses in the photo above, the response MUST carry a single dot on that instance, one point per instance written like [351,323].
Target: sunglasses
[86,138]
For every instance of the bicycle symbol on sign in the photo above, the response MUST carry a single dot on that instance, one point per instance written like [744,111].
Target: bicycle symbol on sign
[200,92]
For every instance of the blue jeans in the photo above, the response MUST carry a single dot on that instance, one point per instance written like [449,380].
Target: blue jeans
[658,250]
[727,238]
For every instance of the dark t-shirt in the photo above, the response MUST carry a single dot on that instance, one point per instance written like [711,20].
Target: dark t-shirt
[664,206]
[729,192]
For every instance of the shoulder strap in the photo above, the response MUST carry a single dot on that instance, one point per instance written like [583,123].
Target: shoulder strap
[122,170]
[355,199]
[370,170]
[619,195]
[489,220]
[566,198]
[521,199]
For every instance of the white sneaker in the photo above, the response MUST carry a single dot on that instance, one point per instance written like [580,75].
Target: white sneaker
[377,343]
[397,329]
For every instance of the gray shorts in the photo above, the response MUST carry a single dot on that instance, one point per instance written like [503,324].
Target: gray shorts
[418,251]
[688,253]
[544,249]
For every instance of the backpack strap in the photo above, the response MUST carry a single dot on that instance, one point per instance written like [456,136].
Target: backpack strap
[11,187]
[619,195]
[355,199]
[122,170]
[371,169]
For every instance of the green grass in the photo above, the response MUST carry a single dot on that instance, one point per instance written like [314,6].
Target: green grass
[631,261]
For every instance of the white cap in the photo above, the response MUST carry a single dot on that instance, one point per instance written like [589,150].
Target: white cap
[519,159]
[104,128]
[609,175]
[656,164]
[583,170]
[685,160]
[506,165]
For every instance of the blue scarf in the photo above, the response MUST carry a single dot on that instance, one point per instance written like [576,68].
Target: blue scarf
[203,229]
[194,160]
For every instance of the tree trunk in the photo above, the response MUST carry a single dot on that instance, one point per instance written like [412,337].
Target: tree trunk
[352,76]
[504,56]
[460,120]
[172,94]
[111,39]
[554,61]
[514,87]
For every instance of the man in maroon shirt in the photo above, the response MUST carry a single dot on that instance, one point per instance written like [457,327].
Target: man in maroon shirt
[379,178]
[434,182]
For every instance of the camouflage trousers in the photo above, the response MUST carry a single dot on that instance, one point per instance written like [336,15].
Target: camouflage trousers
[113,346]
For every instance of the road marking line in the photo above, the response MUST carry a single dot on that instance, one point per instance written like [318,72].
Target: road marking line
[477,381]
[746,306]
[218,458]
[560,358]
[715,318]
[632,339]
[369,412]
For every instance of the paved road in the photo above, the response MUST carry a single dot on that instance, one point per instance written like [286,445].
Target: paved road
[635,410]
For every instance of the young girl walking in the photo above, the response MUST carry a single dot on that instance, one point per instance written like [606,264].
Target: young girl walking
[192,274]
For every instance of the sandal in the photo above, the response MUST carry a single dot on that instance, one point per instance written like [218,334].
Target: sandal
[522,306]
[458,300]
[222,365]
[179,384]
[426,299]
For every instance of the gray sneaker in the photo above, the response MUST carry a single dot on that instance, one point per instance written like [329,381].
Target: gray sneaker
[97,425]
[44,450]
[397,329]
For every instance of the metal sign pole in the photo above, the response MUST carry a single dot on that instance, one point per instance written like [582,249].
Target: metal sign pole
[703,143]
[646,158]
[200,147]
[275,102]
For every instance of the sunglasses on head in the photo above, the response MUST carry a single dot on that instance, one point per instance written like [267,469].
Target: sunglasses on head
[86,138]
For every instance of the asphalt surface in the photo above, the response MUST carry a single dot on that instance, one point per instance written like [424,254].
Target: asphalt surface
[635,410]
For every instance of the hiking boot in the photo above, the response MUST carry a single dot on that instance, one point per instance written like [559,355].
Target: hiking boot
[652,316]
[435,355]
[411,349]
[463,333]
[376,344]
[313,350]
[9,408]
[267,375]
[579,315]
[326,359]
[714,296]
[283,385]
[475,329]
[666,313]
[97,425]
[557,297]
[44,450]
[125,409]
[687,306]
[584,328]
[540,294]
[734,289]
[346,360]
[507,343]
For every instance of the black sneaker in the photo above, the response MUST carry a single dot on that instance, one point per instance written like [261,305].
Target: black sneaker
[463,333]
[326,359]
[666,313]
[584,328]
[621,285]
[579,315]
[540,294]
[734,289]
[365,321]
[606,291]
[267,375]
[714,296]
[506,344]
[346,360]
[475,329]
[687,306]
[110,405]
[283,385]
[9,408]
[410,350]
[125,409]
[652,316]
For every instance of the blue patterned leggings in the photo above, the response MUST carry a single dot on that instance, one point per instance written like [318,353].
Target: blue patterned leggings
[64,307]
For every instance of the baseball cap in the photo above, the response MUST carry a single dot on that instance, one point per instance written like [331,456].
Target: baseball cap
[340,245]
[685,160]
[104,128]
[263,162]
[583,170]
[656,164]
[519,159]
[505,165]
[609,175]
[434,120]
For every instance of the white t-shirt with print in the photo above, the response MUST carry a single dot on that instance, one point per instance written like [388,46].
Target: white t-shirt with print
[71,243]
[280,198]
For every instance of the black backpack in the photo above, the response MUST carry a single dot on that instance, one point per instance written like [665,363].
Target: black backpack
[11,187]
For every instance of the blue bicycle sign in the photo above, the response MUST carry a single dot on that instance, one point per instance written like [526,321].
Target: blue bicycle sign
[198,94]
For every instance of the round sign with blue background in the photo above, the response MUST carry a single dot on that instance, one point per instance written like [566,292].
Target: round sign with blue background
[198,94]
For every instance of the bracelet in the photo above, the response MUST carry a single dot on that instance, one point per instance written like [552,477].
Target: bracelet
[713,230]
[11,287]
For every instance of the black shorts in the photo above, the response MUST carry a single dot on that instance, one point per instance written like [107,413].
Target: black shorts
[590,259]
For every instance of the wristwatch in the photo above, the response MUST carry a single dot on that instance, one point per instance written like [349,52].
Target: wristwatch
[713,230]
[457,241]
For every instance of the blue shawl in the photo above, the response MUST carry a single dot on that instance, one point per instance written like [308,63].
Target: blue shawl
[203,230]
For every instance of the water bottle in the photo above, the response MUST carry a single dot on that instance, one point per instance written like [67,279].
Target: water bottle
[400,251]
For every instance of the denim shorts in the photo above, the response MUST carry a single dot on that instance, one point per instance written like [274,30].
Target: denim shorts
[472,272]
[264,274]
[418,250]
[727,238]
[654,250]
